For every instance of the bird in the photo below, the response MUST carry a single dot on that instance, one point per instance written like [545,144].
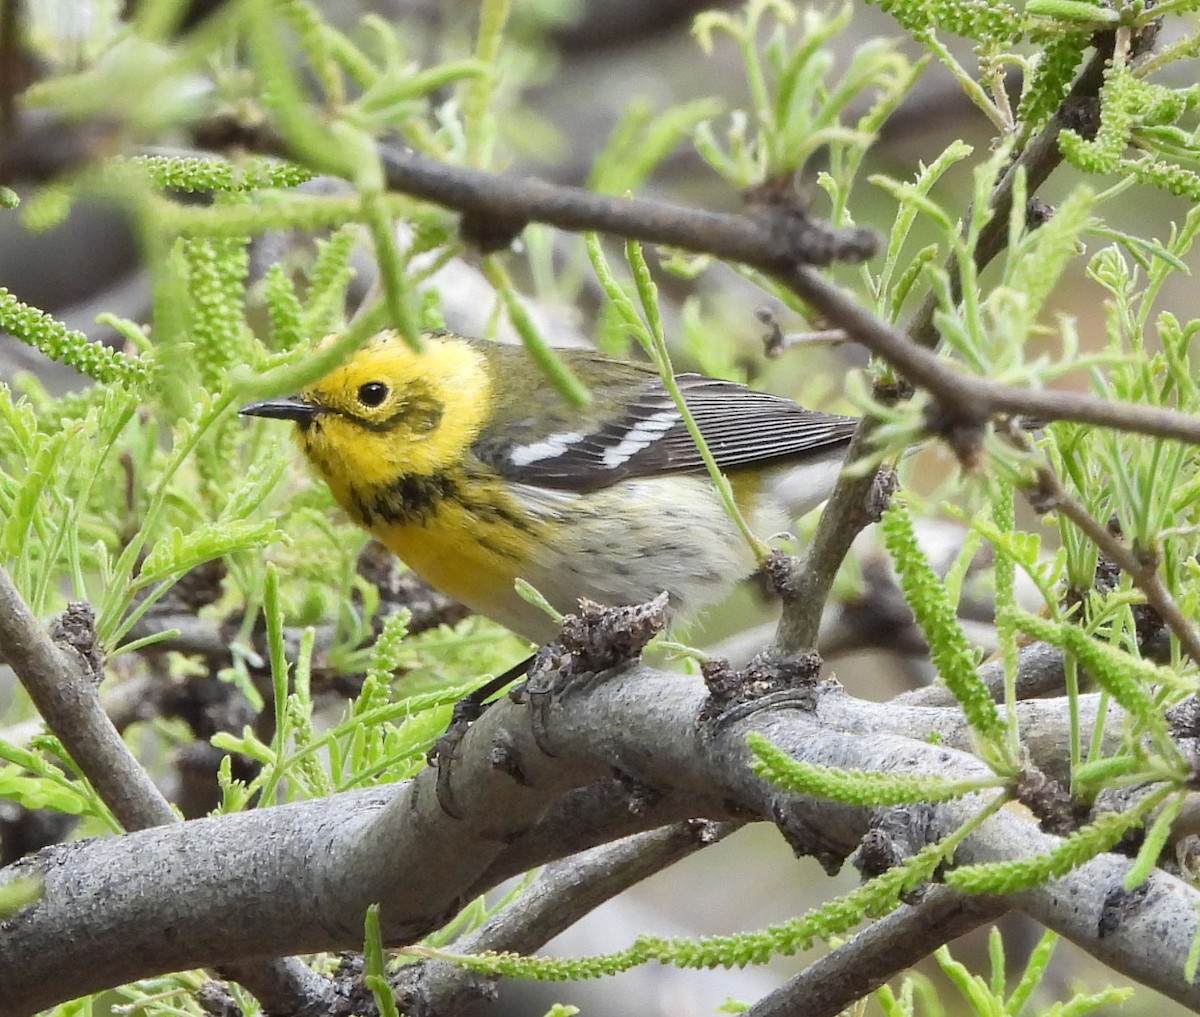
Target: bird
[468,465]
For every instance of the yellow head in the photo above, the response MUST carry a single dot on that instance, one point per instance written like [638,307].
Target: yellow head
[382,415]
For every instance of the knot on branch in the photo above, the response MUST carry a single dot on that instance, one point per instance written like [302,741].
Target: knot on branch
[490,232]
[781,570]
[892,391]
[502,756]
[879,495]
[1148,624]
[732,693]
[881,849]
[960,425]
[595,639]
[1081,114]
[432,988]
[599,637]
[76,628]
[1145,38]
[352,997]
[1048,800]
[796,236]
[216,1000]
[876,853]
[1037,213]
[1118,904]
[705,831]
[640,796]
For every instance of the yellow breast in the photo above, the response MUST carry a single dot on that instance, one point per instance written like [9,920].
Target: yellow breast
[471,544]
[461,558]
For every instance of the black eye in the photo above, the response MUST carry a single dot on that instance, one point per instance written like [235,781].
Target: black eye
[373,393]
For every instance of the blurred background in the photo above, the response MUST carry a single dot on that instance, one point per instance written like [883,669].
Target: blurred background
[576,72]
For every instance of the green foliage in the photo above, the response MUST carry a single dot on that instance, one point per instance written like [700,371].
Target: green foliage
[39,776]
[856,787]
[216,272]
[795,112]
[190,173]
[641,140]
[987,998]
[122,493]
[375,967]
[876,897]
[1053,71]
[1081,846]
[1132,682]
[952,654]
[1137,112]
[69,346]
[973,19]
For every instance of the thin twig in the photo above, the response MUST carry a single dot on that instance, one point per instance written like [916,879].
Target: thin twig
[64,688]
[493,200]
[804,587]
[1039,673]
[1037,161]
[1048,494]
[830,985]
[565,891]
[754,240]
[969,399]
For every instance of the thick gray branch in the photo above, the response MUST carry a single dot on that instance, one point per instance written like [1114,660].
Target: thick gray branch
[63,682]
[298,878]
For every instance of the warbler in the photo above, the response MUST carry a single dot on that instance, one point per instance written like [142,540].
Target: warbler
[470,467]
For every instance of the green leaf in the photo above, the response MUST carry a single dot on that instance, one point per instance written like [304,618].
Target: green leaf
[949,649]
[856,787]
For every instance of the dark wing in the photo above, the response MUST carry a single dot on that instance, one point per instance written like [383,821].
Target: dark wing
[648,437]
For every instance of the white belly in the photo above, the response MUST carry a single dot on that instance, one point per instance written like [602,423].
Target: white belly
[679,540]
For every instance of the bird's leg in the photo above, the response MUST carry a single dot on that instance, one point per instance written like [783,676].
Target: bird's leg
[592,642]
[466,711]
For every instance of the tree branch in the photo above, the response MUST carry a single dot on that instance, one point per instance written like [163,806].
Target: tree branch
[566,891]
[828,986]
[759,241]
[1047,494]
[62,678]
[1039,673]
[298,878]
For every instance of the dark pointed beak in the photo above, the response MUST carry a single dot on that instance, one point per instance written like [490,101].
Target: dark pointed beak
[287,408]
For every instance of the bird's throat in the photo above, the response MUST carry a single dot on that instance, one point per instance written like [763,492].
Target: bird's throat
[412,499]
